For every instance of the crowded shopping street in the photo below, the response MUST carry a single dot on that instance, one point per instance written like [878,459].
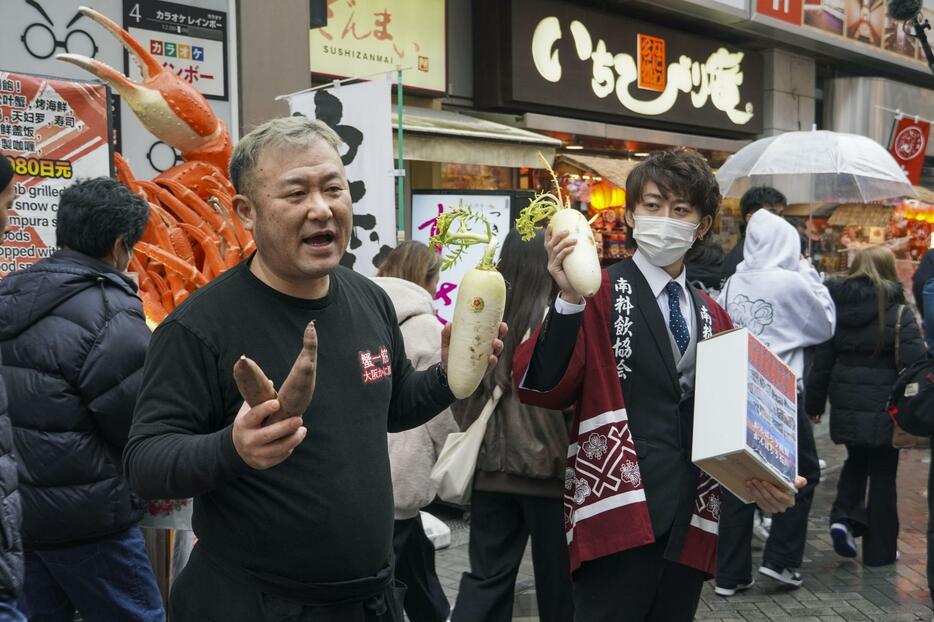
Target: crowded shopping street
[466,310]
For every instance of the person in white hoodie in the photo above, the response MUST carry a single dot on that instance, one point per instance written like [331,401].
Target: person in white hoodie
[409,275]
[780,298]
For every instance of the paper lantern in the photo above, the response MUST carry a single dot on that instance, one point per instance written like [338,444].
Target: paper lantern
[604,195]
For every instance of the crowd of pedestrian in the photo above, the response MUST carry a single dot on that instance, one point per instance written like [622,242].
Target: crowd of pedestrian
[587,452]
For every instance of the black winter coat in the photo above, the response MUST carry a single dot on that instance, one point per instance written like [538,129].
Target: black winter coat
[846,368]
[73,339]
[11,512]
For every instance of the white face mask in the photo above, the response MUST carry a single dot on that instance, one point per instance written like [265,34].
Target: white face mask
[662,240]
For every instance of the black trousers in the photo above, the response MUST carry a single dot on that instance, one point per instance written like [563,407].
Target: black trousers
[207,591]
[785,546]
[638,585]
[415,567]
[876,521]
[500,526]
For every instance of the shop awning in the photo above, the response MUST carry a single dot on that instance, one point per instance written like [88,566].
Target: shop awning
[924,194]
[861,215]
[614,170]
[816,210]
[445,136]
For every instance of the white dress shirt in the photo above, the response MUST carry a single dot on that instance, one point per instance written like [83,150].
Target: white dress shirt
[657,279]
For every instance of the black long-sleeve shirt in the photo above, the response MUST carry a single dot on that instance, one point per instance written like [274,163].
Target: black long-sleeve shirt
[553,350]
[325,514]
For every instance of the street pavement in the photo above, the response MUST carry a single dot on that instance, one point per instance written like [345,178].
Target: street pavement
[834,589]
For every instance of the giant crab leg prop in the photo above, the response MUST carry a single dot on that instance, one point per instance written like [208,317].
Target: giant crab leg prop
[193,233]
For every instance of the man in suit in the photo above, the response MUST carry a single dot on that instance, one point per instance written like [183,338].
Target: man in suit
[640,518]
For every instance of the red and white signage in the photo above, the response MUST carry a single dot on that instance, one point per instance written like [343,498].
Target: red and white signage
[791,11]
[909,144]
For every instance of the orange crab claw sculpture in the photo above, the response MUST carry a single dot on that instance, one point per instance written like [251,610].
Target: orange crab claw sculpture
[193,234]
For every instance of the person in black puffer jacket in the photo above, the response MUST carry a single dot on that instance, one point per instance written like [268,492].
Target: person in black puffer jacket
[857,369]
[73,339]
[11,547]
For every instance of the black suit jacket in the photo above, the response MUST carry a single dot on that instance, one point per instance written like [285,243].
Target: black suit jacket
[660,418]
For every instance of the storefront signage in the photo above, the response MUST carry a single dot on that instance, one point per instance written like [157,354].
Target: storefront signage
[908,145]
[363,37]
[790,11]
[560,55]
[188,41]
[53,132]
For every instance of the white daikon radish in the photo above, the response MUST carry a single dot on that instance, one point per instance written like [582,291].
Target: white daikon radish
[582,266]
[481,300]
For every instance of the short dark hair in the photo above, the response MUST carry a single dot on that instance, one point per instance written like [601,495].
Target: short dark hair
[93,213]
[681,172]
[676,172]
[756,198]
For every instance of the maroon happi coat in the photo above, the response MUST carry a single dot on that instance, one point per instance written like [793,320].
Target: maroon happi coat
[605,505]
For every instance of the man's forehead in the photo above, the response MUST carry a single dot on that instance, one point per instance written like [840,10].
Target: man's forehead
[652,189]
[317,150]
[278,164]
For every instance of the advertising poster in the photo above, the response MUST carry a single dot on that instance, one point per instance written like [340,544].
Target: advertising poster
[771,411]
[425,211]
[361,115]
[53,131]
[865,20]
[33,32]
[895,39]
[826,15]
[861,21]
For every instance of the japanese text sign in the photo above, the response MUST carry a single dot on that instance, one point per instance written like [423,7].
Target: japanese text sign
[189,41]
[360,114]
[53,132]
[560,55]
[425,211]
[909,144]
[363,37]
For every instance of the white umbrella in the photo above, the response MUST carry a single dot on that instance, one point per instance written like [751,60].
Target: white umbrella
[816,167]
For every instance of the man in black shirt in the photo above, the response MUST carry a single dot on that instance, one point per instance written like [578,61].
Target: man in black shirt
[294,519]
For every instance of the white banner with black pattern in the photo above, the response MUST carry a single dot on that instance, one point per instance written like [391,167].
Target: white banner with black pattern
[361,114]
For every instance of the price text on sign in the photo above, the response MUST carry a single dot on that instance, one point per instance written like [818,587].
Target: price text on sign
[52,131]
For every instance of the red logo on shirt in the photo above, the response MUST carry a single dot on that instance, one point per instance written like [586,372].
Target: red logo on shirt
[375,366]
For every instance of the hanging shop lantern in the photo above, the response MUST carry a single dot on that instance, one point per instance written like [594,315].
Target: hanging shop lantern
[604,195]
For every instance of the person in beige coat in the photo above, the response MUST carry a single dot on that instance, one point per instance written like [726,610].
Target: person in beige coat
[409,275]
